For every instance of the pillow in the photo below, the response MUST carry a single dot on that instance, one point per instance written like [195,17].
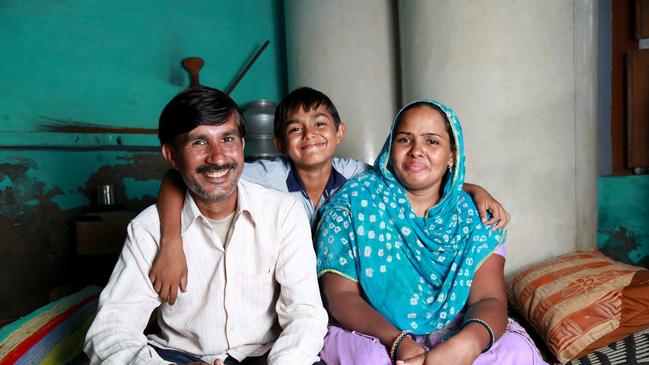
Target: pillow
[52,334]
[581,301]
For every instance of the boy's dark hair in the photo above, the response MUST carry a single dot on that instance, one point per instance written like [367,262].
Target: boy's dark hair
[305,98]
[194,107]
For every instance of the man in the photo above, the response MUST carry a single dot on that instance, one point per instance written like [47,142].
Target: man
[254,295]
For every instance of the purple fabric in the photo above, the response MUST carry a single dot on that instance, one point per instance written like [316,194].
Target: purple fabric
[500,250]
[342,347]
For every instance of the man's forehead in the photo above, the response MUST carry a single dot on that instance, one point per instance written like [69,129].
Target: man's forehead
[225,128]
[229,128]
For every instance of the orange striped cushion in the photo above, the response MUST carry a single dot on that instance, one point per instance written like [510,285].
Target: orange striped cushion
[578,300]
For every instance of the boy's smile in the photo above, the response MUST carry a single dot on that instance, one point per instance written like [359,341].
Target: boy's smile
[311,137]
[308,146]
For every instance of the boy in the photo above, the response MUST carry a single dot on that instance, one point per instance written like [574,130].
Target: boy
[307,131]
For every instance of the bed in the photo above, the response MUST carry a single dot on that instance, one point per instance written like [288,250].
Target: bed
[581,308]
[52,334]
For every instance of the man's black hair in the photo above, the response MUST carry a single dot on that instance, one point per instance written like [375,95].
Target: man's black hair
[194,107]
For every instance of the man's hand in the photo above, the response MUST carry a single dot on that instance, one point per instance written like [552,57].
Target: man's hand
[169,270]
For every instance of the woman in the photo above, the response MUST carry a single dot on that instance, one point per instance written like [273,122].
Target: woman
[407,264]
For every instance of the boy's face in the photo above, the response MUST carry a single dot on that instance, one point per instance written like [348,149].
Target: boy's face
[311,137]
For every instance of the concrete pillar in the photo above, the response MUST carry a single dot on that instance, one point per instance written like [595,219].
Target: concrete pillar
[521,76]
[347,49]
[586,25]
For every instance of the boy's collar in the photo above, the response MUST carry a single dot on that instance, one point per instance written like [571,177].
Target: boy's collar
[294,183]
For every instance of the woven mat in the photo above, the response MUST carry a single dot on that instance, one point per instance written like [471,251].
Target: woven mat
[633,350]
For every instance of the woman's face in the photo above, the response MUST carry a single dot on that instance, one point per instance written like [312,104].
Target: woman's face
[421,150]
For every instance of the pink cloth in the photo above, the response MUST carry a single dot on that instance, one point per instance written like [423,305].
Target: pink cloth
[342,347]
[500,250]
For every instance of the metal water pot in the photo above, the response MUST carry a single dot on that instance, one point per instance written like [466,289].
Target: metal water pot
[259,115]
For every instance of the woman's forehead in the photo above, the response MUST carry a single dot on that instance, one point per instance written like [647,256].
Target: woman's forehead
[421,118]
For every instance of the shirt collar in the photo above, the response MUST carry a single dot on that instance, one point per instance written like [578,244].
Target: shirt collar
[191,213]
[294,183]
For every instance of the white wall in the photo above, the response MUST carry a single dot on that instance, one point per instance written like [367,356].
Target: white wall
[347,49]
[521,76]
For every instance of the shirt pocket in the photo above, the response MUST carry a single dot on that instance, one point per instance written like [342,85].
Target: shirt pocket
[257,293]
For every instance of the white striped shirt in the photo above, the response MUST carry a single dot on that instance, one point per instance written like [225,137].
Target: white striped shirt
[257,292]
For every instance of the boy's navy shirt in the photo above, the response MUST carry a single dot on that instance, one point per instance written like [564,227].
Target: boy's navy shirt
[280,174]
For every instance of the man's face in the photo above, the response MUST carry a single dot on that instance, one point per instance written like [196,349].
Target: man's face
[311,137]
[210,160]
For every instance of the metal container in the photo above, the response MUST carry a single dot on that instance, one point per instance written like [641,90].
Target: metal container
[105,195]
[259,115]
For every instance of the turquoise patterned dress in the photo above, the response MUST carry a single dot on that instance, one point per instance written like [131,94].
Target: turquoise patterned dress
[415,271]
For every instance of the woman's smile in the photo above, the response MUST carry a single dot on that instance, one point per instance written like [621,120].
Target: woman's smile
[416,166]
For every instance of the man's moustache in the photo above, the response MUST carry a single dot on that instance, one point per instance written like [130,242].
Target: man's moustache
[203,169]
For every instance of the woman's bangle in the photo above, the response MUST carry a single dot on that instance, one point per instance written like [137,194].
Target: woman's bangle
[396,343]
[484,324]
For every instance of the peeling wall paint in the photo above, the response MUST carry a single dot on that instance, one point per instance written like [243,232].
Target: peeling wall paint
[624,218]
[114,63]
[41,196]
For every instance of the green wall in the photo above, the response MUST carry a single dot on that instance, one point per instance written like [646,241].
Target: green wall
[114,63]
[624,218]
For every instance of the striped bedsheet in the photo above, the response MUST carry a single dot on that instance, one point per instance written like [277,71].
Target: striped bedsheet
[52,334]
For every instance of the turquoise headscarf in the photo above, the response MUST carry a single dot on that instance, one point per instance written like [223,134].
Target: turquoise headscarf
[416,271]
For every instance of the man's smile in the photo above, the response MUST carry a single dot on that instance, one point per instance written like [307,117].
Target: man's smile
[216,172]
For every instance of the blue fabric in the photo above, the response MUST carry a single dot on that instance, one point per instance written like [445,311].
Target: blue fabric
[183,358]
[294,183]
[416,271]
[279,174]
[175,356]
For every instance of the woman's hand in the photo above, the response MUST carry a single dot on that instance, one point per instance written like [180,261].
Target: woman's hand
[446,353]
[485,202]
[169,270]
[409,348]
